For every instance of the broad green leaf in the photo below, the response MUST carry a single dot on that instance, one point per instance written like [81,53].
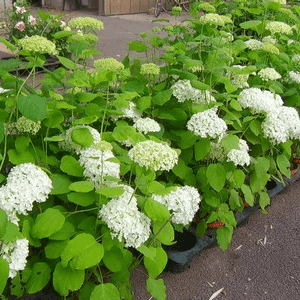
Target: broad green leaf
[149,252]
[81,186]
[9,45]
[69,64]
[164,232]
[250,24]
[238,177]
[12,233]
[105,291]
[71,166]
[162,97]
[54,249]
[83,199]
[111,191]
[156,211]
[264,200]
[3,222]
[39,277]
[224,236]
[67,279]
[230,142]
[137,46]
[17,158]
[86,291]
[47,223]
[156,266]
[234,200]
[187,139]
[64,233]
[155,186]
[284,165]
[86,120]
[85,97]
[261,165]
[21,143]
[201,149]
[143,103]
[54,119]
[249,198]
[122,133]
[82,137]
[180,169]
[82,252]
[212,198]
[255,127]
[26,231]
[33,107]
[113,259]
[216,176]
[60,184]
[258,181]
[157,288]
[4,271]
[55,138]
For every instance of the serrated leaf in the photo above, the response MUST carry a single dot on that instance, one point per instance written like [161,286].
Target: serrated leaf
[155,267]
[264,200]
[157,288]
[238,177]
[216,176]
[156,211]
[33,107]
[162,97]
[137,46]
[224,236]
[164,232]
[113,259]
[149,252]
[284,165]
[249,198]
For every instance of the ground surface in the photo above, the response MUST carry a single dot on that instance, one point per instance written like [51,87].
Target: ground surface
[263,260]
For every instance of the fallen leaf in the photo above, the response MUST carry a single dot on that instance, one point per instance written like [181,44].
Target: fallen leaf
[214,295]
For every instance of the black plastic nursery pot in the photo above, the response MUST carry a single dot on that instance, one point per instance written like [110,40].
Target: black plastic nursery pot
[188,244]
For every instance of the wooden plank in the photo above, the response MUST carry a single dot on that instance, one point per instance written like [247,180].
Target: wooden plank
[135,6]
[144,5]
[107,7]
[125,6]
[115,7]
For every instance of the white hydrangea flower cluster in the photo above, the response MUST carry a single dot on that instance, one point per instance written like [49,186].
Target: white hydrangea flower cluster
[207,124]
[2,90]
[269,39]
[267,74]
[25,125]
[279,27]
[290,41]
[282,124]
[266,45]
[153,155]
[15,253]
[296,58]
[26,184]
[240,80]
[69,145]
[97,165]
[217,151]
[125,220]
[208,8]
[254,44]
[38,44]
[109,64]
[240,157]
[294,76]
[86,23]
[183,90]
[227,36]
[277,1]
[259,101]
[150,69]
[132,112]
[269,47]
[212,18]
[145,125]
[183,203]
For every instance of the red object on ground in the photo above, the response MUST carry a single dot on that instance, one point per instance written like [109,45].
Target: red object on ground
[246,204]
[216,224]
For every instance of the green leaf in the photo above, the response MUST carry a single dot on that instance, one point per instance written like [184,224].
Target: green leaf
[21,143]
[26,231]
[82,137]
[105,291]
[33,107]
[85,97]
[264,200]
[54,249]
[111,191]
[230,142]
[164,232]
[60,184]
[261,165]
[250,24]
[162,97]
[55,138]
[137,46]
[64,233]
[216,176]
[47,223]
[258,181]
[224,236]
[83,199]
[82,252]
[4,271]
[39,277]
[284,165]
[3,222]
[156,211]
[149,252]
[71,166]
[114,259]
[143,103]
[12,233]
[156,266]
[180,169]
[249,198]
[234,200]
[201,149]
[238,177]
[81,186]
[86,120]
[211,198]
[67,279]
[157,288]
[69,64]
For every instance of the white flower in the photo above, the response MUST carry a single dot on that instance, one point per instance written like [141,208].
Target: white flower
[279,27]
[296,58]
[15,253]
[240,80]
[207,124]
[239,156]
[2,90]
[154,155]
[63,24]
[26,184]
[183,203]
[124,219]
[20,9]
[183,90]
[281,125]
[253,44]
[259,101]
[69,145]
[269,39]
[96,165]
[269,74]
[32,20]
[145,125]
[294,76]
[277,1]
